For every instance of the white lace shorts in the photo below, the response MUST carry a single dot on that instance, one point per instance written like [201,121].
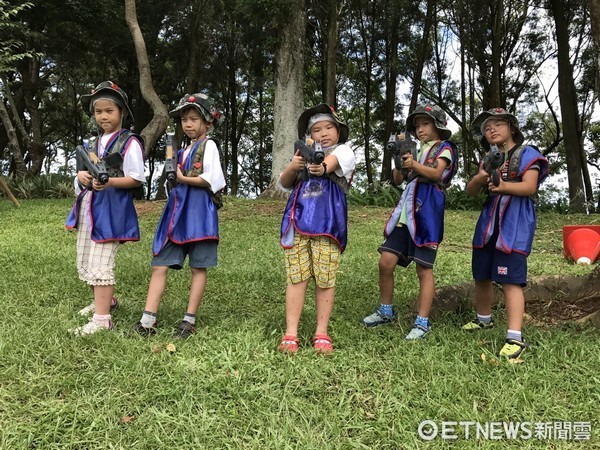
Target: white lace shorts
[95,261]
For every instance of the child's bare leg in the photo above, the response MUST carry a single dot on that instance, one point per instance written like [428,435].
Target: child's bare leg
[324,307]
[102,298]
[426,290]
[515,305]
[196,290]
[387,265]
[294,302]
[484,297]
[156,289]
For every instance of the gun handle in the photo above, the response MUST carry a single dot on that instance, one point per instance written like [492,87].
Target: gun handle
[79,165]
[495,177]
[305,174]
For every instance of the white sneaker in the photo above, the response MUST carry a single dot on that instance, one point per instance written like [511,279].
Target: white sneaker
[89,309]
[91,327]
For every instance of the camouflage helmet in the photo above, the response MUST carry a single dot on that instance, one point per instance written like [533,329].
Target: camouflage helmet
[434,112]
[329,114]
[203,104]
[109,91]
[478,125]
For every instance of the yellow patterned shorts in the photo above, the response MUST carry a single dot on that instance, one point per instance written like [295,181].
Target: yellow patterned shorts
[312,256]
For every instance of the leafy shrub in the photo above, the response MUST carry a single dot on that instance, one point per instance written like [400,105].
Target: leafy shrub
[42,186]
[384,194]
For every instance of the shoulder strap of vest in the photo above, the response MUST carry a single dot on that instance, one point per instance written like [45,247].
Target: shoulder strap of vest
[433,152]
[514,164]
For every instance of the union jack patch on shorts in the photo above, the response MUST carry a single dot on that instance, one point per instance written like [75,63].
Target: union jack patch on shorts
[502,270]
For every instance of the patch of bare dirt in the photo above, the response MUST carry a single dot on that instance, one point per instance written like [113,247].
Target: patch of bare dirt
[149,207]
[548,299]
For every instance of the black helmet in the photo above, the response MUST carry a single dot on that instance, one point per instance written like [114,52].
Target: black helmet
[110,91]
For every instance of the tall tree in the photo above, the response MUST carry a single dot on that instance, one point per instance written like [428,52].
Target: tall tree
[289,79]
[594,7]
[160,120]
[569,109]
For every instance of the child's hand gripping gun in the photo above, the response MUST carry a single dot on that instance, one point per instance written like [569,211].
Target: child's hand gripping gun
[311,151]
[399,146]
[170,159]
[492,161]
[95,166]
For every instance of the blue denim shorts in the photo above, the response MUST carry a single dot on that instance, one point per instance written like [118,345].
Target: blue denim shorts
[401,244]
[202,254]
[489,263]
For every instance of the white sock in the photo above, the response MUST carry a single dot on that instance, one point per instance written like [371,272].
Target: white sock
[191,318]
[148,319]
[514,334]
[104,320]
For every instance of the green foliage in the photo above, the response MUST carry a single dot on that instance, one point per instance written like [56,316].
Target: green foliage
[11,48]
[43,186]
[384,194]
[458,199]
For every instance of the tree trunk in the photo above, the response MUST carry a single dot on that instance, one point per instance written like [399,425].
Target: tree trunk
[418,73]
[391,78]
[497,35]
[331,49]
[9,194]
[30,73]
[594,7]
[289,73]
[13,142]
[160,120]
[569,110]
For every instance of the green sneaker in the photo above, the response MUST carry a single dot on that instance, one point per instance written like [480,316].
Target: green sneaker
[513,349]
[476,325]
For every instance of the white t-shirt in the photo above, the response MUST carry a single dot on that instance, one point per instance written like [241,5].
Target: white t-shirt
[346,164]
[212,171]
[133,162]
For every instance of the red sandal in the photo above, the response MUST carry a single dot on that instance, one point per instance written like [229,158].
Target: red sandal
[289,344]
[322,344]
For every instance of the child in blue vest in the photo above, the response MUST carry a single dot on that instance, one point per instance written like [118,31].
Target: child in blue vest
[506,225]
[416,226]
[104,214]
[314,225]
[189,224]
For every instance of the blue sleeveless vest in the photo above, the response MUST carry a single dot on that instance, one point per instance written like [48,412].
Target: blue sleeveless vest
[190,214]
[112,213]
[425,202]
[316,207]
[517,216]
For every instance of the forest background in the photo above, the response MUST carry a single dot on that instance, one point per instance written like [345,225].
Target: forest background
[264,61]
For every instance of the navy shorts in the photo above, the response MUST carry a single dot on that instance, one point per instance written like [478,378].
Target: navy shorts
[489,263]
[400,243]
[202,254]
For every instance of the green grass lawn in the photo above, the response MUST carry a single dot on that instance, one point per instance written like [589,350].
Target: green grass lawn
[228,387]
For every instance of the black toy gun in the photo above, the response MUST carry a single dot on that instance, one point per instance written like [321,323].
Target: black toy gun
[95,166]
[492,161]
[399,146]
[311,151]
[170,159]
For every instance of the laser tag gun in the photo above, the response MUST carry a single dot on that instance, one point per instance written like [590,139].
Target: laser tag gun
[95,166]
[170,159]
[399,146]
[492,161]
[311,151]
